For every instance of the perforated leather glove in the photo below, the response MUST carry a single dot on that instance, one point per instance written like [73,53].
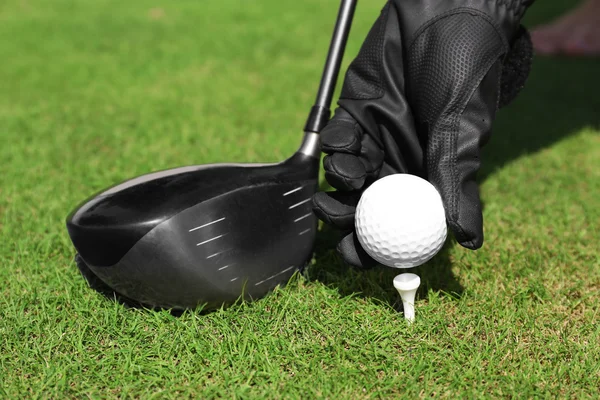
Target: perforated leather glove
[420,98]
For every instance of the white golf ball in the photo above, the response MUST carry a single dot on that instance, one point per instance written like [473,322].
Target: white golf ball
[400,221]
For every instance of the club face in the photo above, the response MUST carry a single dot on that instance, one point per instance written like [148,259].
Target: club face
[239,242]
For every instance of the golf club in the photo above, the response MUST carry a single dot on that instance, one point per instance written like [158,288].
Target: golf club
[209,234]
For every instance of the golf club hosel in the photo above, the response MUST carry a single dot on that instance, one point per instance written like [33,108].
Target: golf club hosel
[310,145]
[317,119]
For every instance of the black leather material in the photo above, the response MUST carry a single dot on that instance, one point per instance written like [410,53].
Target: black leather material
[352,253]
[336,208]
[420,98]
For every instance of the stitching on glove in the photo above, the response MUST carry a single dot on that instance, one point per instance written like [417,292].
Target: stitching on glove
[358,130]
[460,10]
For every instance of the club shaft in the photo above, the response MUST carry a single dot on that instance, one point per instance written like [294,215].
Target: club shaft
[336,53]
[320,112]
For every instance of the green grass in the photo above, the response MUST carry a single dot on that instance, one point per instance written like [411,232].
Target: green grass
[95,92]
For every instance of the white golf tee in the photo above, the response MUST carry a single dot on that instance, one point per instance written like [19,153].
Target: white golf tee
[407,285]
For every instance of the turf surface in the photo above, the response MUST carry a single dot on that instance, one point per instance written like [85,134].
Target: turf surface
[95,92]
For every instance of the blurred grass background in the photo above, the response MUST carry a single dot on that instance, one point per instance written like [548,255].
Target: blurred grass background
[92,93]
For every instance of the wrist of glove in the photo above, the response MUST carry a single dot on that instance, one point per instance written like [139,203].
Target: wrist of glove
[420,98]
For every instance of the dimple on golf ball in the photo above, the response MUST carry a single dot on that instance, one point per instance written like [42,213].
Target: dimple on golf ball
[400,221]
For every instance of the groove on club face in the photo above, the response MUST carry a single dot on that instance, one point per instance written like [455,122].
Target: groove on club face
[207,224]
[302,217]
[274,276]
[218,253]
[210,240]
[300,203]
[292,191]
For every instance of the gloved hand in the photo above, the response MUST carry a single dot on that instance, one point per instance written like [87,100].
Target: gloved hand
[420,98]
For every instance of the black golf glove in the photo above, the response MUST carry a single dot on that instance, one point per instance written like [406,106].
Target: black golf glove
[420,98]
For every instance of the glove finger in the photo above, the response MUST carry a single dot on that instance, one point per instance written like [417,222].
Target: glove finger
[372,158]
[342,134]
[336,208]
[344,171]
[458,188]
[352,252]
